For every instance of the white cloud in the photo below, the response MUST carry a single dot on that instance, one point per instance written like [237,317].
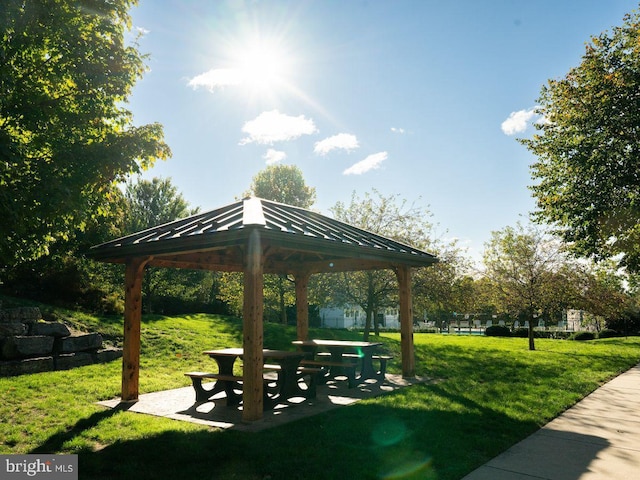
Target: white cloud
[345,141]
[217,78]
[274,156]
[370,163]
[397,130]
[273,126]
[517,121]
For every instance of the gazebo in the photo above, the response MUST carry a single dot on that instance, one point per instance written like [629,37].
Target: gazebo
[257,236]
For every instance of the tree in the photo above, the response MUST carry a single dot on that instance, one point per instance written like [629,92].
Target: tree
[153,202]
[604,293]
[530,272]
[387,216]
[284,184]
[587,173]
[65,136]
[149,203]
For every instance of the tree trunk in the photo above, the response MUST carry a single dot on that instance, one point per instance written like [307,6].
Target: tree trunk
[283,307]
[531,342]
[367,325]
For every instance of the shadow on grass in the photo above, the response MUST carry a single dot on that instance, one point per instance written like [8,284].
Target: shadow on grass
[56,442]
[363,442]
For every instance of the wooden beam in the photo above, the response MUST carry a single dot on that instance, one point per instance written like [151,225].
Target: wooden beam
[406,321]
[252,329]
[134,273]
[302,305]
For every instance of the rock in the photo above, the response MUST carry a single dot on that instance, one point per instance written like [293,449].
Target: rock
[72,360]
[80,343]
[26,346]
[52,329]
[23,314]
[27,365]
[108,354]
[10,329]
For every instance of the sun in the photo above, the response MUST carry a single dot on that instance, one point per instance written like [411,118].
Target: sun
[263,66]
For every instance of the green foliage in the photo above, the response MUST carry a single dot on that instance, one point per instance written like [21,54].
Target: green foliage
[497,331]
[284,184]
[583,336]
[150,203]
[530,272]
[521,333]
[65,136]
[586,174]
[608,333]
[399,220]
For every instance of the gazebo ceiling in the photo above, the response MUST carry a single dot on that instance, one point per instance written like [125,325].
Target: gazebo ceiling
[293,239]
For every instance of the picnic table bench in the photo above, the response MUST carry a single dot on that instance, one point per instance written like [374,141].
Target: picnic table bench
[341,356]
[289,375]
[224,382]
[328,369]
[382,359]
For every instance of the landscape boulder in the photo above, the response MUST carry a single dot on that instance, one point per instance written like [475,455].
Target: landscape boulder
[10,329]
[52,329]
[26,365]
[26,346]
[79,343]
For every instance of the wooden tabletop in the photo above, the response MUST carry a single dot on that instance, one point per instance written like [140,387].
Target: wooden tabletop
[335,343]
[239,352]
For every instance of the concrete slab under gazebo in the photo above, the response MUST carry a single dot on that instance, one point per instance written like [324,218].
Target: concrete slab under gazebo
[257,236]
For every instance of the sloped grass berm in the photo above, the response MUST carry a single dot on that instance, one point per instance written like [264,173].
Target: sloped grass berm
[489,394]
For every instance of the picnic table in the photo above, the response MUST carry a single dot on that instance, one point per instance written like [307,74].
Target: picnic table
[286,365]
[342,355]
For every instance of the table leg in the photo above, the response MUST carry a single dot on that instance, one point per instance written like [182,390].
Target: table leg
[225,367]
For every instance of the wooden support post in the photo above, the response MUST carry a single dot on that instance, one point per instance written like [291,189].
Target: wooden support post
[406,322]
[134,273]
[302,305]
[252,328]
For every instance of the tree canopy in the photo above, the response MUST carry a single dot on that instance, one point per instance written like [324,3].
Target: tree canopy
[530,272]
[587,175]
[284,184]
[153,202]
[66,137]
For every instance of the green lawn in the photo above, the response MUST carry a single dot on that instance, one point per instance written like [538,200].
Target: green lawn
[490,393]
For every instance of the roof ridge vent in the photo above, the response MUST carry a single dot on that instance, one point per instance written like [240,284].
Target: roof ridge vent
[252,213]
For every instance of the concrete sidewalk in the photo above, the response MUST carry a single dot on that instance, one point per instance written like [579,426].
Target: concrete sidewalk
[597,439]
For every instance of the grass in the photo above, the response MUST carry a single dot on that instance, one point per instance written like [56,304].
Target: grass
[491,392]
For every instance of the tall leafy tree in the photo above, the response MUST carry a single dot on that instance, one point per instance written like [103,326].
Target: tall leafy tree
[284,184]
[149,203]
[587,175]
[530,272]
[153,202]
[66,136]
[388,216]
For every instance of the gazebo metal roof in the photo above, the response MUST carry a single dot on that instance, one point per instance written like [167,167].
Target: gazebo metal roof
[294,236]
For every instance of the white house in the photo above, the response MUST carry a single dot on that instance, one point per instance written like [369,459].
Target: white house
[354,317]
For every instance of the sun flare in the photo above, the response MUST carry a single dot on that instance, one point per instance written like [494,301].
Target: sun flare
[263,66]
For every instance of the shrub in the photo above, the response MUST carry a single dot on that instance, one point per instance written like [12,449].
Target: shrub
[608,333]
[521,332]
[497,331]
[583,336]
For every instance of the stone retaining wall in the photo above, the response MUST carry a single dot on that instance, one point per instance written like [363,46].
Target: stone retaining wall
[30,345]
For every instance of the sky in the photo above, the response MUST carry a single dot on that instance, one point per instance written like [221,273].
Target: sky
[421,99]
